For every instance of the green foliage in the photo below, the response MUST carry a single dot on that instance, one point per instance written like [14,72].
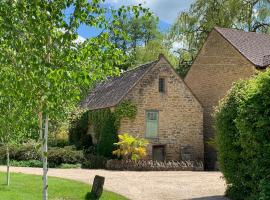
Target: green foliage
[67,155]
[227,141]
[44,68]
[103,122]
[125,109]
[264,188]
[58,143]
[29,154]
[130,147]
[94,162]
[138,32]
[186,58]
[243,139]
[26,163]
[25,151]
[78,131]
[151,51]
[28,187]
[70,166]
[192,27]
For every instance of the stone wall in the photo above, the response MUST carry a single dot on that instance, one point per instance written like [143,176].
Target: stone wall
[180,114]
[217,66]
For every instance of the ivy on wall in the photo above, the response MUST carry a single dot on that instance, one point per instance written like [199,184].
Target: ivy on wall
[105,124]
[125,109]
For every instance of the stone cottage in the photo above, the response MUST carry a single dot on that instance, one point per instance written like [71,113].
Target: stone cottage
[227,56]
[168,114]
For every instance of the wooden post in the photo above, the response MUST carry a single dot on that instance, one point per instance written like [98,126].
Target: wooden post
[97,187]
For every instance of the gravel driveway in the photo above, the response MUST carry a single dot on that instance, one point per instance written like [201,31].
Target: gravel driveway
[173,185]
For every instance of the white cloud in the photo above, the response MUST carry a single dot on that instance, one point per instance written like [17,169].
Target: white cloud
[166,10]
[79,40]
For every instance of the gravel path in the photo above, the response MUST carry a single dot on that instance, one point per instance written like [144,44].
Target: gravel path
[173,185]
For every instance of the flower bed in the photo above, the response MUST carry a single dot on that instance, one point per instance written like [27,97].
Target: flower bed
[150,165]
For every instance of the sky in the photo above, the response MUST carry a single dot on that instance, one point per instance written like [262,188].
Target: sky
[166,10]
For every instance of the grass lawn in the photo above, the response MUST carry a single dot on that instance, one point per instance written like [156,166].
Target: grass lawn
[29,187]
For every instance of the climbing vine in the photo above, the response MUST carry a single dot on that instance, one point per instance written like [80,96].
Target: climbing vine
[124,109]
[105,124]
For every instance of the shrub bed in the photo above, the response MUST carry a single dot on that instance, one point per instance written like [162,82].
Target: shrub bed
[150,165]
[58,156]
[94,162]
[29,155]
[27,163]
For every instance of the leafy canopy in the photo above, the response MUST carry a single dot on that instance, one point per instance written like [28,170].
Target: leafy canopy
[192,27]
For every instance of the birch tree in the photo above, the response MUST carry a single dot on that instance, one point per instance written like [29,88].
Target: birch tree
[53,70]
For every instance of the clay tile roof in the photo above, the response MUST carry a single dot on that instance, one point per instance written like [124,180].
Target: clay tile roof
[254,46]
[110,92]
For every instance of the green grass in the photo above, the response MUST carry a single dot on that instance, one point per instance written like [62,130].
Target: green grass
[29,187]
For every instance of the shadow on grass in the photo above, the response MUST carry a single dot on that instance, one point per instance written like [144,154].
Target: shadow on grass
[211,198]
[89,196]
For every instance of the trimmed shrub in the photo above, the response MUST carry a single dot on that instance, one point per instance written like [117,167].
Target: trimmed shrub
[31,152]
[26,151]
[227,140]
[243,139]
[68,154]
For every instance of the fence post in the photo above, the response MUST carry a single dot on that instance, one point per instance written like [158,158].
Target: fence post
[97,187]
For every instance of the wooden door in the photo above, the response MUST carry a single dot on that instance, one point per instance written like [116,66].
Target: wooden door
[159,153]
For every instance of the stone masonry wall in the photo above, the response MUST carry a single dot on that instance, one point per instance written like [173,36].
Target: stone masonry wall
[180,114]
[215,69]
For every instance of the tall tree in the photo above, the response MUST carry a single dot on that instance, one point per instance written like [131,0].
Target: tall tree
[52,69]
[192,27]
[139,31]
[151,51]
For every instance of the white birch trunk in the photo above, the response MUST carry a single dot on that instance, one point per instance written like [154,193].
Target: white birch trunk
[40,120]
[8,172]
[45,158]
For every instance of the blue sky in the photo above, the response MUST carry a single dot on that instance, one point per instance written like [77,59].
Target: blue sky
[166,10]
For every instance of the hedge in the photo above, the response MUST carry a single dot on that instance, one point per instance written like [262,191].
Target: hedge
[29,155]
[242,122]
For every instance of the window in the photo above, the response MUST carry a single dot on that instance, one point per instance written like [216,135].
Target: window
[151,124]
[162,85]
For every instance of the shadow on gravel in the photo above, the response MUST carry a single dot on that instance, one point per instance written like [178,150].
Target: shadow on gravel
[211,198]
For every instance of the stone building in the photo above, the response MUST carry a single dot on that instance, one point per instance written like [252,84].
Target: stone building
[227,56]
[168,114]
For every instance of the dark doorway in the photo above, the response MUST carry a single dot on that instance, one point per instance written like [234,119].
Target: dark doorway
[159,152]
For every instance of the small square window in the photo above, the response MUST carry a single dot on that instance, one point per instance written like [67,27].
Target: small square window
[162,85]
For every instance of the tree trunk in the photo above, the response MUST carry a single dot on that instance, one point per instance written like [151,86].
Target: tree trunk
[45,159]
[8,172]
[40,120]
